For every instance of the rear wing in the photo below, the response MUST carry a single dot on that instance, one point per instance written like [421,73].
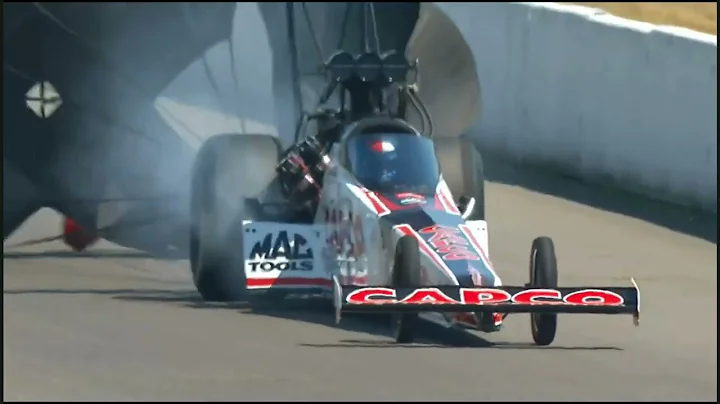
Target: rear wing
[503,299]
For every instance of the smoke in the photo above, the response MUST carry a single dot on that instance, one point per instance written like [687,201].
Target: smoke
[228,89]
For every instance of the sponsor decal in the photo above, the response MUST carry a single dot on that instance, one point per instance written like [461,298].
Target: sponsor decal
[269,266]
[428,251]
[281,253]
[449,243]
[487,296]
[345,230]
[409,198]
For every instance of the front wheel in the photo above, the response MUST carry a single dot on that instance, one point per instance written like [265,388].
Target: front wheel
[543,274]
[405,275]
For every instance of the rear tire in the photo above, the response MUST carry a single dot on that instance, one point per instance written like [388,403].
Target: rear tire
[462,169]
[543,274]
[228,169]
[405,274]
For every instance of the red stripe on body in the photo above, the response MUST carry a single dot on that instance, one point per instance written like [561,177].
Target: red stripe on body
[378,206]
[269,282]
[447,204]
[388,203]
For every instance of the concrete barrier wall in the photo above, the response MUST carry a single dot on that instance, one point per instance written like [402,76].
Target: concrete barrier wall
[597,96]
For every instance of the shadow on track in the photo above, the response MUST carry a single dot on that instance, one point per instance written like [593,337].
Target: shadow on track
[314,311]
[691,222]
[95,254]
[460,340]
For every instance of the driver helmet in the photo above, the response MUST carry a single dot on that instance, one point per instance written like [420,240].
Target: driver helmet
[386,159]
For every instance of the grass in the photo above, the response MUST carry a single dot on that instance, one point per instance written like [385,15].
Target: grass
[697,16]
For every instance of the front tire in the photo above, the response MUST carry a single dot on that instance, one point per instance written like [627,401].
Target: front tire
[229,168]
[543,274]
[405,274]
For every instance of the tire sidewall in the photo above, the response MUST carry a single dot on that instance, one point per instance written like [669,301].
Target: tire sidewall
[543,274]
[217,210]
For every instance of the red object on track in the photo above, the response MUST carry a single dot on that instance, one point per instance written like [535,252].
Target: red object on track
[75,236]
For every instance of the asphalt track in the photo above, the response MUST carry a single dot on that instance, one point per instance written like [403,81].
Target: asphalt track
[114,324]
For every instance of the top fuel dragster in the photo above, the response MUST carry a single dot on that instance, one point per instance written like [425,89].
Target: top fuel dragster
[362,208]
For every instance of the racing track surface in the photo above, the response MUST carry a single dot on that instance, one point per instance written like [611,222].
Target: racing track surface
[115,325]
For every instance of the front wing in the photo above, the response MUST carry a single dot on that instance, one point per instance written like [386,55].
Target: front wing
[505,299]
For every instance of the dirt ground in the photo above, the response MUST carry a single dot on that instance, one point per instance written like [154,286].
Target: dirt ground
[698,16]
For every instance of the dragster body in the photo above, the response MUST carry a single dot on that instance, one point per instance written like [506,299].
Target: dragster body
[349,248]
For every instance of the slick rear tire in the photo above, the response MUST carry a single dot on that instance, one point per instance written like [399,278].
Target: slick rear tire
[462,169]
[228,169]
[405,274]
[543,274]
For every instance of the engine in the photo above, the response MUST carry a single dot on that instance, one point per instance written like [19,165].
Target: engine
[301,171]
[369,81]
